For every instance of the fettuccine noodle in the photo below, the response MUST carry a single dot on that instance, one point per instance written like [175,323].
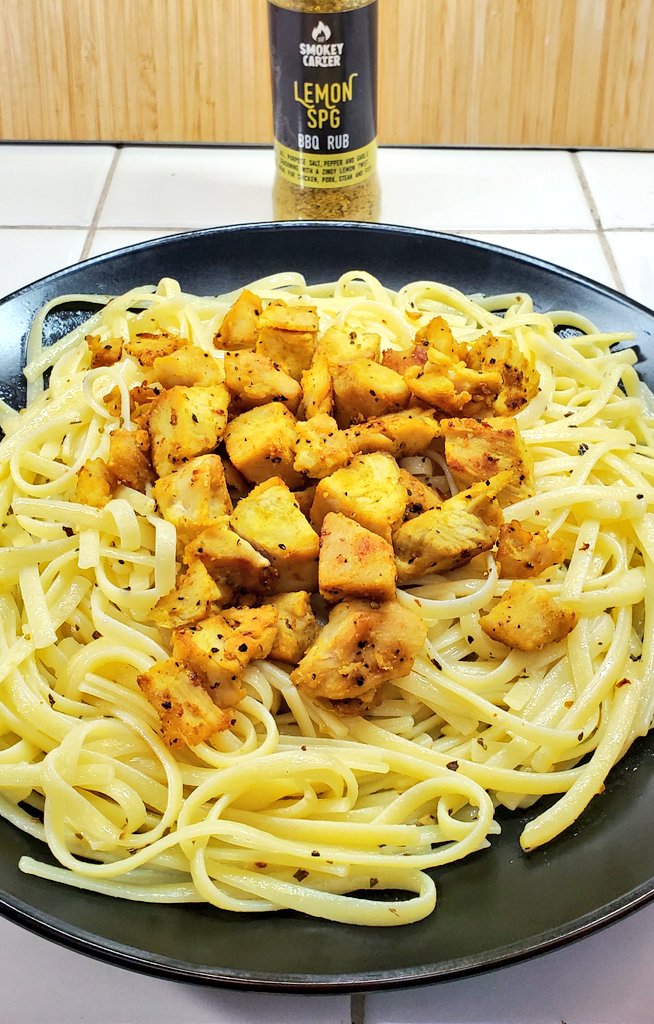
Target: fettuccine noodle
[297,806]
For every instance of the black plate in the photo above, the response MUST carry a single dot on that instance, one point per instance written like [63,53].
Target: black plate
[495,907]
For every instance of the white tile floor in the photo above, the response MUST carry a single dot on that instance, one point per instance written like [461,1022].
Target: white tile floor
[590,212]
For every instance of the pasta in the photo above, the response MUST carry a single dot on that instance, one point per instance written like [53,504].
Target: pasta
[297,806]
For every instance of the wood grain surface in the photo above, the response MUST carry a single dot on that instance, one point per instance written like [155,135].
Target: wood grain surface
[475,72]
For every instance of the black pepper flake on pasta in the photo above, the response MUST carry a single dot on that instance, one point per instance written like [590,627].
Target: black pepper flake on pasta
[373,882]
[453,766]
[242,648]
[583,448]
[301,874]
[315,853]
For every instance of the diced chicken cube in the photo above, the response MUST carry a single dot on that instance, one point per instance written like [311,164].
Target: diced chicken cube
[193,597]
[221,646]
[261,443]
[185,422]
[141,397]
[105,350]
[253,379]
[452,387]
[420,496]
[237,485]
[522,554]
[270,519]
[231,560]
[95,484]
[451,535]
[188,366]
[240,325]
[354,563]
[297,626]
[520,379]
[340,346]
[364,389]
[399,433]
[362,646]
[401,359]
[317,387]
[147,346]
[368,489]
[305,499]
[527,618]
[187,712]
[129,458]
[479,449]
[194,496]
[437,335]
[321,448]
[287,335]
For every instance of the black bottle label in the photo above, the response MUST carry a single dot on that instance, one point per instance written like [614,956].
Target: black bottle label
[324,80]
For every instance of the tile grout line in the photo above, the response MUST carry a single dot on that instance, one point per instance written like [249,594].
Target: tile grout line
[90,235]
[594,212]
[357,1008]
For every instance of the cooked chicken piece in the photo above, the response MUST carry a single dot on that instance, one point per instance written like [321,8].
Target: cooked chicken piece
[187,712]
[141,397]
[145,347]
[420,496]
[305,499]
[287,335]
[317,387]
[321,448]
[354,562]
[297,626]
[527,618]
[446,537]
[520,379]
[194,596]
[105,351]
[129,458]
[256,626]
[270,519]
[521,554]
[362,646]
[451,387]
[240,325]
[340,346]
[185,422]
[194,496]
[261,442]
[368,489]
[221,646]
[400,433]
[188,366]
[401,359]
[476,450]
[230,560]
[437,335]
[253,380]
[237,485]
[95,484]
[364,389]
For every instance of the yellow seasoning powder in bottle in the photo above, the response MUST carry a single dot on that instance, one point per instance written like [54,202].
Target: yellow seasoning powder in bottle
[323,57]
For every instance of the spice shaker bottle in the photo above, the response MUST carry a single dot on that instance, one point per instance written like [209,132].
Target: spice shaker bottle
[323,56]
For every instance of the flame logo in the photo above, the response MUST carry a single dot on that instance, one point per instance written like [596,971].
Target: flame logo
[321,33]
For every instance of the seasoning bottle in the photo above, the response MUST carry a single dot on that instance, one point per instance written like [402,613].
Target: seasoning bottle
[324,78]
